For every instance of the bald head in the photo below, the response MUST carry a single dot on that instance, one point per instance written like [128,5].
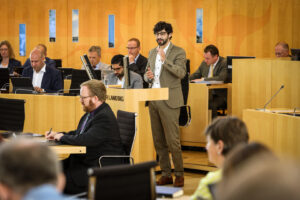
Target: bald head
[37,59]
[282,49]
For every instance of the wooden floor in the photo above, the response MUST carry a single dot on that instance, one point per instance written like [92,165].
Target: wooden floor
[196,166]
[191,181]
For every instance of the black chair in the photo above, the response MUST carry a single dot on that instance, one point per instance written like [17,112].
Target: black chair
[185,111]
[127,126]
[134,182]
[12,114]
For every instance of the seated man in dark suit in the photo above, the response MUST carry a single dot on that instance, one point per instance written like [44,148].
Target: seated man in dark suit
[48,61]
[98,130]
[213,68]
[118,78]
[44,78]
[137,62]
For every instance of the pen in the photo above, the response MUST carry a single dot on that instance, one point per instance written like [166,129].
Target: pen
[49,131]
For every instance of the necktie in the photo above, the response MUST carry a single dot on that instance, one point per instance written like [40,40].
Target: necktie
[84,123]
[211,71]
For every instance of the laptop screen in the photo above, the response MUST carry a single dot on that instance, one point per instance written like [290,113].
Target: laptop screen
[22,85]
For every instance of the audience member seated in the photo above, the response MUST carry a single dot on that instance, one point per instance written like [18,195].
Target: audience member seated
[44,78]
[94,56]
[48,61]
[222,135]
[137,62]
[98,130]
[262,179]
[7,57]
[117,78]
[213,68]
[29,171]
[282,50]
[241,155]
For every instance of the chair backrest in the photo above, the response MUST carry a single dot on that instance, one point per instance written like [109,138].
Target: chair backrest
[12,114]
[185,113]
[132,182]
[127,126]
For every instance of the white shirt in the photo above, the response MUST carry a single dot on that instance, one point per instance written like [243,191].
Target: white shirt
[214,65]
[121,82]
[158,66]
[38,77]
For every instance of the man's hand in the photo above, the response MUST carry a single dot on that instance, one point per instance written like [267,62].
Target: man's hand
[38,89]
[131,58]
[162,54]
[197,80]
[53,135]
[149,74]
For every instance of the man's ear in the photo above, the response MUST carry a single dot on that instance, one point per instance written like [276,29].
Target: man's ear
[170,35]
[220,146]
[61,182]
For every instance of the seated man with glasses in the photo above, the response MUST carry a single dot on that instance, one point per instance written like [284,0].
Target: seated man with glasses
[118,78]
[98,130]
[137,62]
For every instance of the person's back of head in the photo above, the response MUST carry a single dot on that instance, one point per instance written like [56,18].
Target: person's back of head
[262,179]
[241,154]
[25,165]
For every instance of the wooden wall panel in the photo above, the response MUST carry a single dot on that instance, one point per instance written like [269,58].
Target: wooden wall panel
[246,27]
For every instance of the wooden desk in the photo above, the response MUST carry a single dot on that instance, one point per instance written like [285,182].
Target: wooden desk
[198,100]
[63,113]
[278,131]
[254,81]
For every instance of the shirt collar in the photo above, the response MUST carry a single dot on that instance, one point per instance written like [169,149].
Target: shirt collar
[216,62]
[42,70]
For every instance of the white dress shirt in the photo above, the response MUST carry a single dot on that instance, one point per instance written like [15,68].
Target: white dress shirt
[38,77]
[158,66]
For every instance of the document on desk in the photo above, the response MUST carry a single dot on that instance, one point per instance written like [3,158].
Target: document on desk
[208,82]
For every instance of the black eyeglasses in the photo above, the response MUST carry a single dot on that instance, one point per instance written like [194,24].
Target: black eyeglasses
[130,48]
[161,33]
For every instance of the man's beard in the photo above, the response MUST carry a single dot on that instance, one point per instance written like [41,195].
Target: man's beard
[161,43]
[88,108]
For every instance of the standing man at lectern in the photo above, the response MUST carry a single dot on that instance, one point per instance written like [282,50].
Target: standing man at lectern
[137,62]
[213,68]
[98,130]
[165,69]
[44,78]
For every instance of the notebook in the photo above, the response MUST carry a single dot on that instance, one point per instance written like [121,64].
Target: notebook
[166,191]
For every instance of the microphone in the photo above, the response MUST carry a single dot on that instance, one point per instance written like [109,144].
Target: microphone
[282,86]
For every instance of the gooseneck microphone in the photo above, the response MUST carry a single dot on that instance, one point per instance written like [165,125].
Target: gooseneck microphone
[282,86]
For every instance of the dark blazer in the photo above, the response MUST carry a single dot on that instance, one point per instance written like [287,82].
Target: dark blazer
[219,74]
[140,67]
[12,64]
[48,62]
[172,71]
[101,136]
[52,80]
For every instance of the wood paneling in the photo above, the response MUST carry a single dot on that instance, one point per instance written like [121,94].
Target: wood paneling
[247,27]
[256,80]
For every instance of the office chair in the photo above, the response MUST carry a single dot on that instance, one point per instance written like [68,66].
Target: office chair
[127,126]
[134,182]
[12,114]
[185,111]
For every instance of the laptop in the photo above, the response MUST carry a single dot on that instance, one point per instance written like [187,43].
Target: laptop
[22,85]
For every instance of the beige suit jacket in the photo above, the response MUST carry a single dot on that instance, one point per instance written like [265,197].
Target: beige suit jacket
[172,71]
